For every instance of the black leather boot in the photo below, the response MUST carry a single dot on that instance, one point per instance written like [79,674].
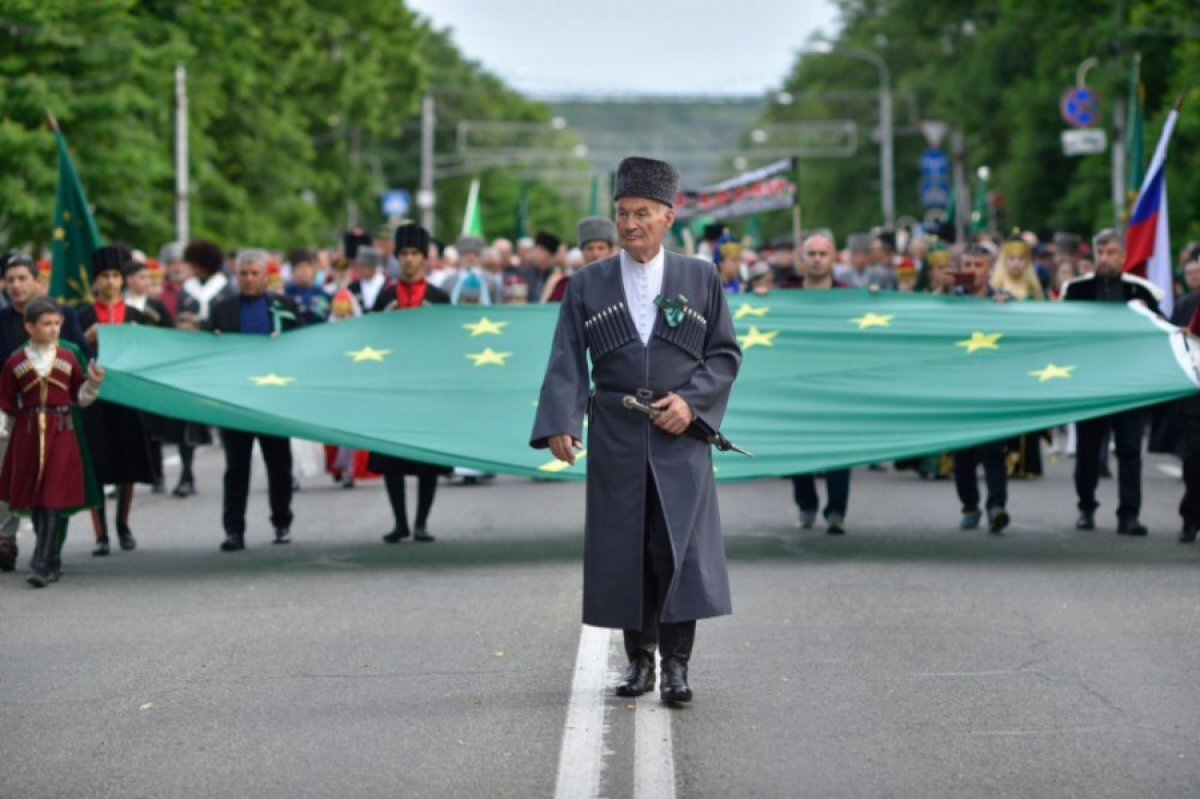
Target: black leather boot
[8,554]
[233,542]
[677,640]
[639,677]
[124,503]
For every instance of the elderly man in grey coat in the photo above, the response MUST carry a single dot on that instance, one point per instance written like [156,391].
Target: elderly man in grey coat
[658,330]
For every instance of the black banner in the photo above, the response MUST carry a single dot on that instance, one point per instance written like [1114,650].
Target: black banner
[768,188]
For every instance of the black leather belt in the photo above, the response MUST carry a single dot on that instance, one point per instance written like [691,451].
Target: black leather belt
[642,394]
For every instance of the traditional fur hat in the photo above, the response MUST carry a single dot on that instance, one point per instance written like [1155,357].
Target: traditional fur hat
[470,244]
[646,177]
[353,239]
[413,236]
[548,241]
[368,256]
[595,228]
[204,256]
[108,258]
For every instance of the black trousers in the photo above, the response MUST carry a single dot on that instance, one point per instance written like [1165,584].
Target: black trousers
[837,484]
[1189,506]
[966,475]
[1127,429]
[277,454]
[426,490]
[658,566]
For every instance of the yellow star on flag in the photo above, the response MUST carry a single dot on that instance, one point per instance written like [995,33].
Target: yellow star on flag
[368,354]
[485,326]
[746,309]
[273,379]
[757,338]
[980,341]
[488,356]
[59,234]
[1051,372]
[873,320]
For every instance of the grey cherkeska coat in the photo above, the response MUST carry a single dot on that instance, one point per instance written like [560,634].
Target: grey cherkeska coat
[697,359]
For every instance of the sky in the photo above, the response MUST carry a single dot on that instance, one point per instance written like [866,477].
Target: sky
[622,47]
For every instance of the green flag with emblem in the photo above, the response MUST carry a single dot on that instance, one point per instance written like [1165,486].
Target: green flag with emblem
[828,379]
[75,235]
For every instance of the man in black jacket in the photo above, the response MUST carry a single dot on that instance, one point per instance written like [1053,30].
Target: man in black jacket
[254,311]
[1110,284]
[1187,412]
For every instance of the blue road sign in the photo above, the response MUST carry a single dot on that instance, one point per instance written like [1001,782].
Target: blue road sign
[396,202]
[935,179]
[1080,107]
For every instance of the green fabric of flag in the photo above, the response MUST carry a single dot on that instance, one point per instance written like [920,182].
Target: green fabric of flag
[829,379]
[473,216]
[980,214]
[75,236]
[1135,136]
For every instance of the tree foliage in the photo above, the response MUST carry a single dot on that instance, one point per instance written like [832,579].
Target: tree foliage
[996,71]
[298,111]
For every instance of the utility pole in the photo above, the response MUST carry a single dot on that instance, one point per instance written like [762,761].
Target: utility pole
[355,133]
[962,203]
[1118,163]
[426,199]
[182,233]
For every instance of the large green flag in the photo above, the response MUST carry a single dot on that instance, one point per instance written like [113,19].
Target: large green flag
[524,226]
[828,379]
[75,234]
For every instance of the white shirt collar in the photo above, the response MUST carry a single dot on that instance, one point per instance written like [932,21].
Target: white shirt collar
[628,261]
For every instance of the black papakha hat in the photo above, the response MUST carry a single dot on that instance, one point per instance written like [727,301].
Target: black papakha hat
[646,177]
[548,241]
[108,258]
[133,266]
[353,239]
[595,228]
[414,237]
[204,256]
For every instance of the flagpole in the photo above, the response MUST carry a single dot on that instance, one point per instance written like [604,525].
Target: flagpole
[181,155]
[53,122]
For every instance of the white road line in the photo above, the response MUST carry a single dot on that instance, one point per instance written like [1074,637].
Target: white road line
[654,758]
[581,759]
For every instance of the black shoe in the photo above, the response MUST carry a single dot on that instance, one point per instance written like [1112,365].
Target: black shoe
[835,523]
[55,571]
[233,542]
[396,536]
[997,520]
[1131,527]
[423,535]
[674,682]
[158,487]
[639,677]
[125,538]
[186,488]
[283,535]
[101,549]
[40,578]
[8,554]
[1086,521]
[1188,534]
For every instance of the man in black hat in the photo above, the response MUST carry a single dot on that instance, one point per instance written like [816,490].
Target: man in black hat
[411,291]
[255,311]
[116,436]
[658,330]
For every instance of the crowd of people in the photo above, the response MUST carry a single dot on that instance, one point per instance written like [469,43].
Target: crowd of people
[201,286]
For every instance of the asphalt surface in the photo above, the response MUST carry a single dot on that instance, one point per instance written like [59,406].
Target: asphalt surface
[907,658]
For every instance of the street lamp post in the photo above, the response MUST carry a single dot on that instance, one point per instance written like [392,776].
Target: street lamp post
[886,155]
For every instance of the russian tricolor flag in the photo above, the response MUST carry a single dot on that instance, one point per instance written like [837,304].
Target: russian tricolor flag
[1148,239]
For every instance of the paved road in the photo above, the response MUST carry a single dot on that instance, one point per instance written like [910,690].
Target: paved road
[906,659]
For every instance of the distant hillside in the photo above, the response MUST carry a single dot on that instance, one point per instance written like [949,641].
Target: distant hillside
[691,133]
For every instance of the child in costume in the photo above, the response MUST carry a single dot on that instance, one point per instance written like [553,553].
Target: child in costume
[44,473]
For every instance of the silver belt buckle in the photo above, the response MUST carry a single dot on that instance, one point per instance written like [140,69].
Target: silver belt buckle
[645,394]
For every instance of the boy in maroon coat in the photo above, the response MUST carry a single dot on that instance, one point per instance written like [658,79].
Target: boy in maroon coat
[43,470]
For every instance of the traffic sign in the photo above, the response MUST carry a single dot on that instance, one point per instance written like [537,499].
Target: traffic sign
[1080,107]
[1084,141]
[935,179]
[396,202]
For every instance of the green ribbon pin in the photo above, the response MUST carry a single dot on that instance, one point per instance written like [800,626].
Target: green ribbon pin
[672,309]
